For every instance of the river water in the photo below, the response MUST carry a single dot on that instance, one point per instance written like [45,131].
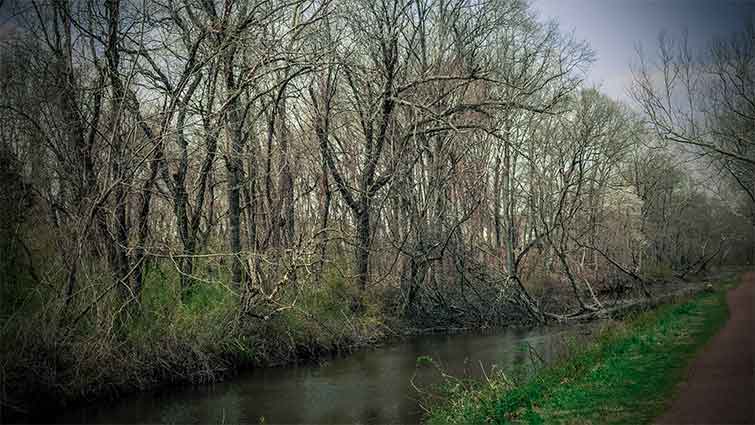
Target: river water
[368,387]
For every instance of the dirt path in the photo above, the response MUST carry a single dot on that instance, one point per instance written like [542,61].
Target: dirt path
[719,387]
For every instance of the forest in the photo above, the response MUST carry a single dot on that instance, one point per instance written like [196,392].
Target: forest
[194,186]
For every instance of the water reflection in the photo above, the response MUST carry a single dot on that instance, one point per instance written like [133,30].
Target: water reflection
[368,387]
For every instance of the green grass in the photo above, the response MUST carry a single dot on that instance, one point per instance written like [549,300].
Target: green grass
[625,376]
[197,334]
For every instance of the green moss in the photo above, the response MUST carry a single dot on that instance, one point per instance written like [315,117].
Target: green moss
[624,377]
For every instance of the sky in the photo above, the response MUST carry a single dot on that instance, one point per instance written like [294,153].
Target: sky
[614,29]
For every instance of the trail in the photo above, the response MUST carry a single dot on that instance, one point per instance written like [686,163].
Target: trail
[720,386]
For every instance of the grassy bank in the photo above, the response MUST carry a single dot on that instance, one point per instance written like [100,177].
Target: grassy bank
[624,377]
[198,335]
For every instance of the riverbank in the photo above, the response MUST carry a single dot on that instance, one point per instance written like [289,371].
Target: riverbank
[173,338]
[203,339]
[625,376]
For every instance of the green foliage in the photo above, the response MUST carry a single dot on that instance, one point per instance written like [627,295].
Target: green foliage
[425,361]
[623,377]
[321,318]
[199,316]
[99,344]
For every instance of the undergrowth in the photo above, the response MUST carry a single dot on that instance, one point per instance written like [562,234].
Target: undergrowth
[198,334]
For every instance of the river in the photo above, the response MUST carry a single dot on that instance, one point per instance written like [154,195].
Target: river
[368,387]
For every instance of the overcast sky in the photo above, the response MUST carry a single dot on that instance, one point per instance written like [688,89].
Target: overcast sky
[613,28]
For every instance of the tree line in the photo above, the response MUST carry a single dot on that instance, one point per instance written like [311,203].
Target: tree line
[444,154]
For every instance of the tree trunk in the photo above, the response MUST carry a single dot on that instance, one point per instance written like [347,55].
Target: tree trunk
[234,218]
[324,217]
[362,253]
